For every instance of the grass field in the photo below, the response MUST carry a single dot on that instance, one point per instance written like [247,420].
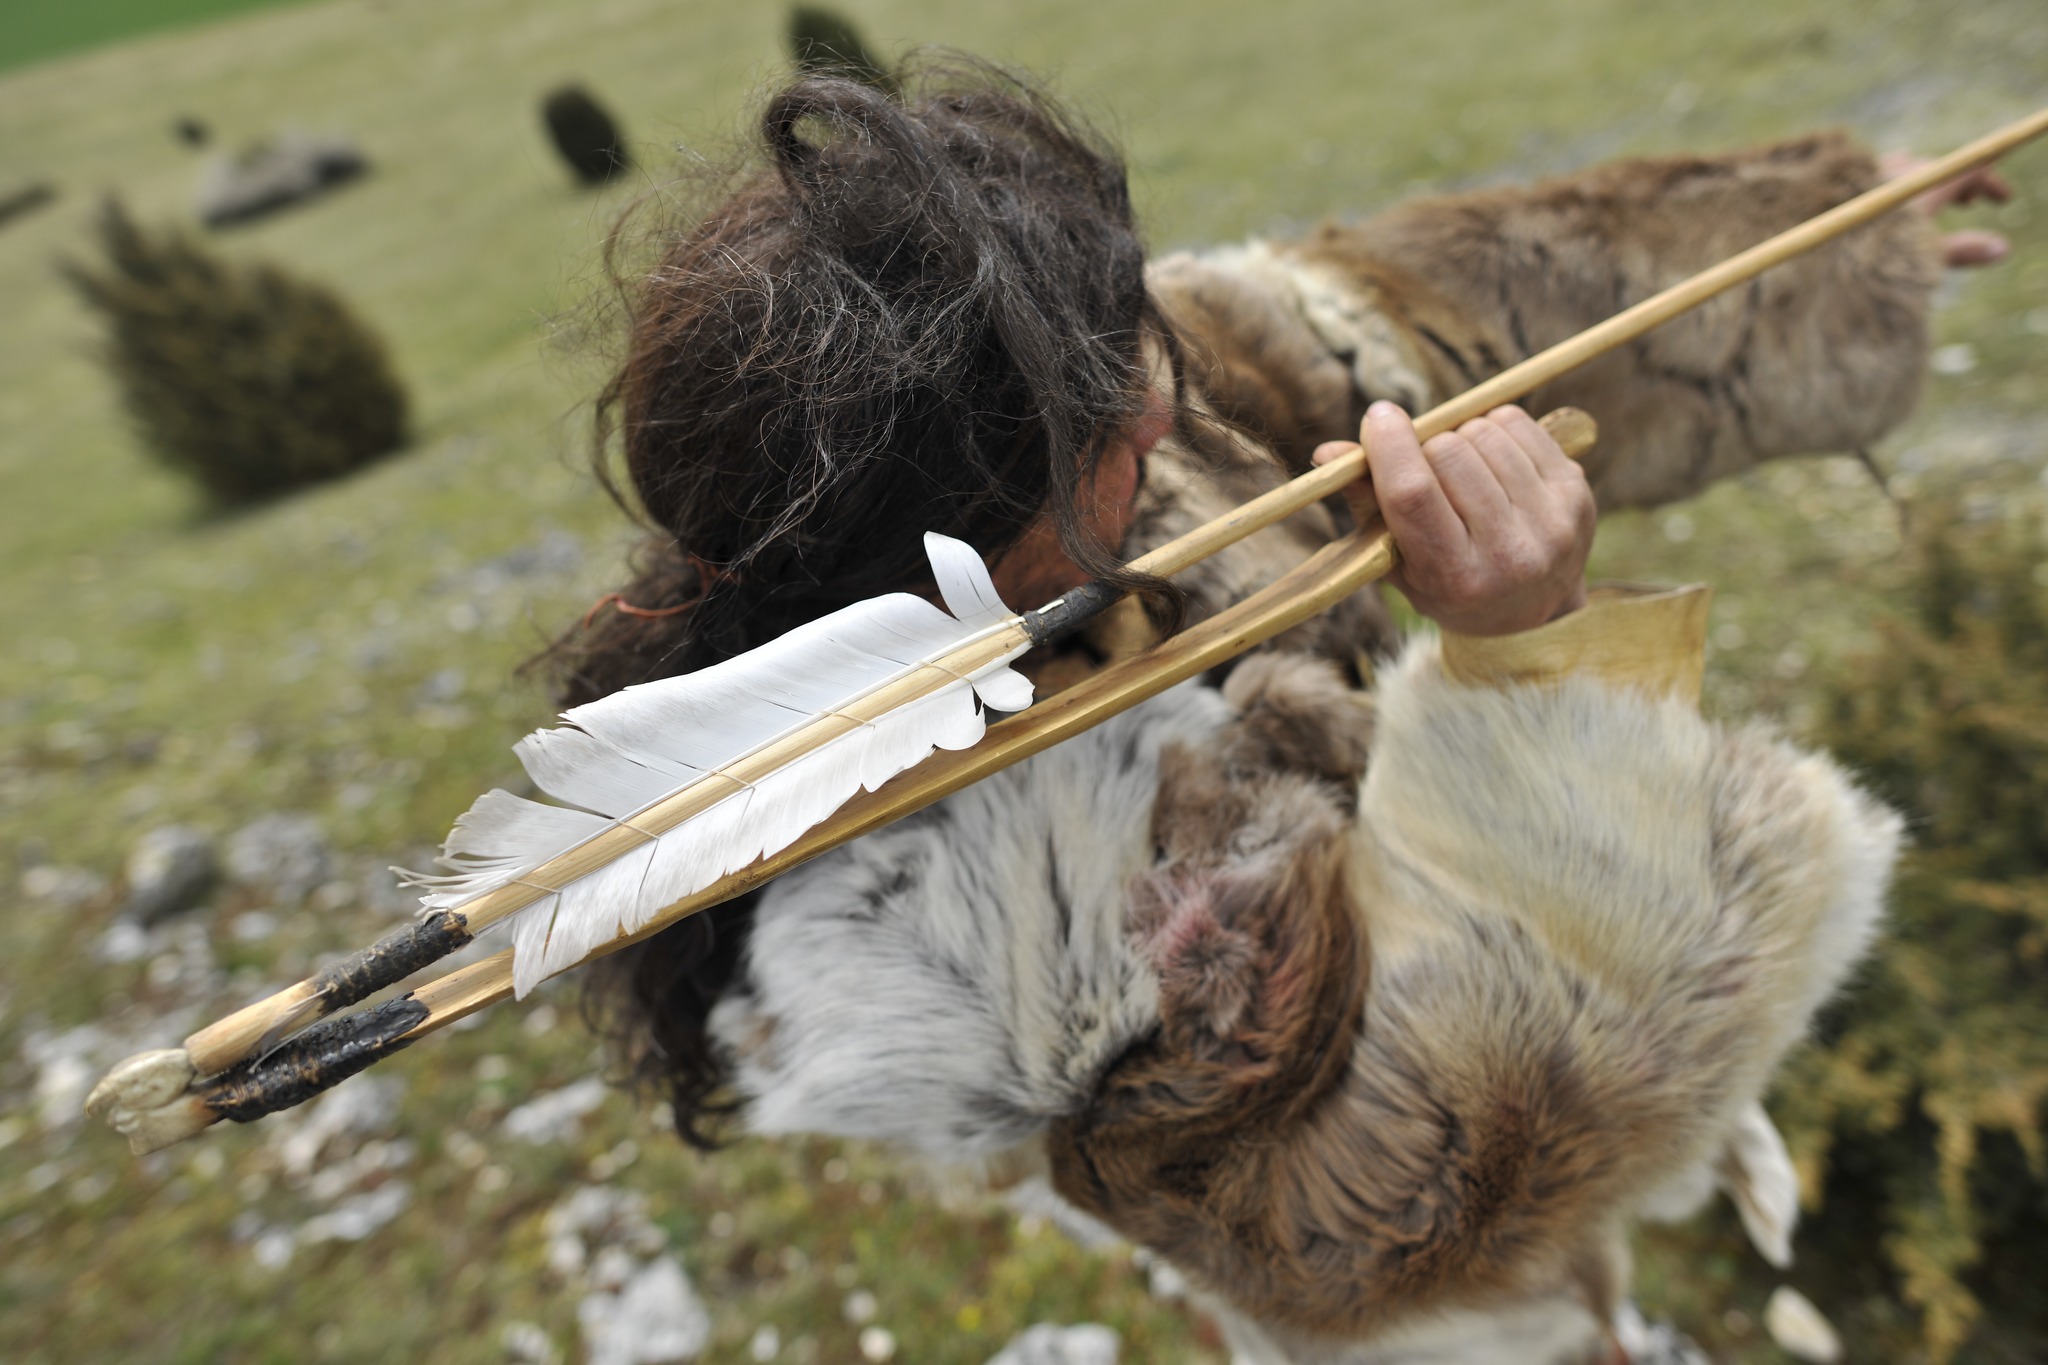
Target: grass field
[37,30]
[349,652]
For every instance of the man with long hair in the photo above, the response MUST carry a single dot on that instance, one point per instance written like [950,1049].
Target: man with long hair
[1364,1047]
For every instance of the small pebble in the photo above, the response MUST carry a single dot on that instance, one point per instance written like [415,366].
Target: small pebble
[528,1343]
[1087,1343]
[1800,1328]
[253,926]
[1955,359]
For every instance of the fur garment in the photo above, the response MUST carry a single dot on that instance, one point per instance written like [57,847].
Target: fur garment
[1824,353]
[1384,1055]
[1285,344]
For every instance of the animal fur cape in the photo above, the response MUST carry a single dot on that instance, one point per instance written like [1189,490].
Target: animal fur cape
[1378,1053]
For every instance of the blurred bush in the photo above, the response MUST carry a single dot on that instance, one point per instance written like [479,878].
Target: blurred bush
[585,135]
[822,40]
[1922,1113]
[250,380]
[19,200]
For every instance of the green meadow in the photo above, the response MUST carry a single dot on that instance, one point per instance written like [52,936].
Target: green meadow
[36,30]
[351,652]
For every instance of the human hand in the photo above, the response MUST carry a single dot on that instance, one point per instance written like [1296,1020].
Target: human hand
[1493,521]
[1958,249]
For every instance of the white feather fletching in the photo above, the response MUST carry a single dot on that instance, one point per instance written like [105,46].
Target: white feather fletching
[619,755]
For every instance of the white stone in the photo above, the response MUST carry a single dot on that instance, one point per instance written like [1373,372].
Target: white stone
[292,166]
[656,1318]
[1650,1343]
[1797,1326]
[596,1213]
[1088,1343]
[286,854]
[169,870]
[355,1218]
[66,1064]
[611,1268]
[67,886]
[594,1217]
[565,1256]
[273,1249]
[1958,358]
[557,1115]
[124,941]
[253,926]
[1167,1284]
[528,1343]
[331,1182]
[357,1108]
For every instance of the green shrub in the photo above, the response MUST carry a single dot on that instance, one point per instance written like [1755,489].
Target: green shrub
[822,40]
[248,379]
[587,137]
[1921,1117]
[21,200]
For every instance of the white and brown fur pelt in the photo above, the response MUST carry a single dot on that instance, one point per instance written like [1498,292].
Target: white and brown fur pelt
[1384,1055]
[1291,340]
[1286,343]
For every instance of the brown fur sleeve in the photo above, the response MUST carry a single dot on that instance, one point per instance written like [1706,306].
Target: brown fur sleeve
[1430,1054]
[1821,354]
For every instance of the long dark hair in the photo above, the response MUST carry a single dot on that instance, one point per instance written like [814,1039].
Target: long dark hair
[925,311]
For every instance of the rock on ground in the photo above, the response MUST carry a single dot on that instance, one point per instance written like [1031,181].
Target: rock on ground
[1658,1343]
[357,1108]
[555,1116]
[1088,1343]
[356,1217]
[66,1066]
[290,167]
[1795,1324]
[286,854]
[66,886]
[595,1217]
[528,1343]
[654,1318]
[169,871]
